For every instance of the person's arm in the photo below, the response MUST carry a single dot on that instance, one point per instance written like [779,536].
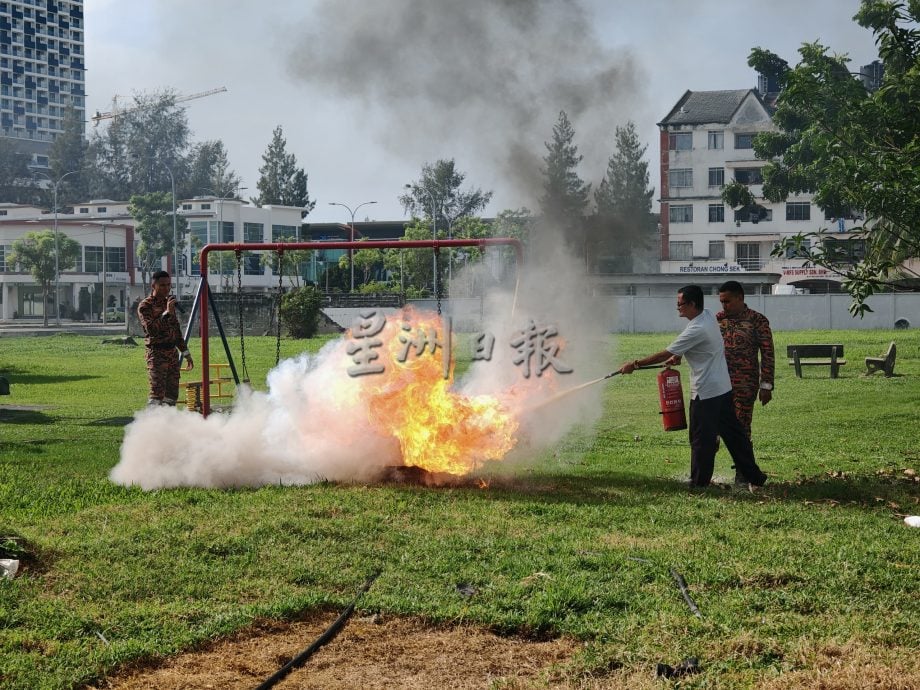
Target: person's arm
[153,325]
[656,358]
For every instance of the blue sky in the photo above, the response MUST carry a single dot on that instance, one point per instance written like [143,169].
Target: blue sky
[367,92]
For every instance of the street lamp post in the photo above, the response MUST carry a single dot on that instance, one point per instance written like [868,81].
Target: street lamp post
[351,257]
[57,272]
[172,181]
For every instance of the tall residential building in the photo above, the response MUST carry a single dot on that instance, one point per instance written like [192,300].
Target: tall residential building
[42,71]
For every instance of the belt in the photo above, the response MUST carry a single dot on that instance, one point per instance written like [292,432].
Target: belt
[161,346]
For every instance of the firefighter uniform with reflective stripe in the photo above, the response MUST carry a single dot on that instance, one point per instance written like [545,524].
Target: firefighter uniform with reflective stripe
[745,336]
[163,338]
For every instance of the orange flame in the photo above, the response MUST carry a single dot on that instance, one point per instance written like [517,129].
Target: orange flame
[438,429]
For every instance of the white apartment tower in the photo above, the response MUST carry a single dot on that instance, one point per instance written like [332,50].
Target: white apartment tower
[42,71]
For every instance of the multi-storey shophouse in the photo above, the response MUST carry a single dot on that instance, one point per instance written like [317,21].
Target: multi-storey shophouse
[707,141]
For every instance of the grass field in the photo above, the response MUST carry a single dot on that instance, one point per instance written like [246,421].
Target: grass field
[817,566]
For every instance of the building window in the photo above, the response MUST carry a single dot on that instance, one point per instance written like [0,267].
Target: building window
[252,264]
[845,251]
[681,214]
[226,234]
[744,141]
[253,232]
[798,210]
[716,140]
[680,251]
[716,249]
[92,262]
[747,254]
[186,207]
[744,215]
[800,252]
[282,233]
[716,177]
[680,177]
[680,141]
[101,209]
[2,212]
[115,260]
[84,210]
[748,176]
[206,207]
[716,213]
[4,251]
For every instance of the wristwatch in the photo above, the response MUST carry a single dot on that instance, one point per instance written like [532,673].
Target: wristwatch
[766,386]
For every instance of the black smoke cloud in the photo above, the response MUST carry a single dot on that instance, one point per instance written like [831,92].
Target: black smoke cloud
[479,80]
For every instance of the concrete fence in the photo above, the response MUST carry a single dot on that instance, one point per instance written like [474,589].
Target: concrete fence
[633,314]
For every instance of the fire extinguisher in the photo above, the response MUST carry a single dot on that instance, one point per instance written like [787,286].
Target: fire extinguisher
[671,398]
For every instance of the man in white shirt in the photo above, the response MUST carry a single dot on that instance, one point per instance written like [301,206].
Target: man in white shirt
[712,411]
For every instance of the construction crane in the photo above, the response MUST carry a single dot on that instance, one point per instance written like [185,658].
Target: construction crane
[116,111]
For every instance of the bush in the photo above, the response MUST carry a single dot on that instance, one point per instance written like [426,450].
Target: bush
[300,311]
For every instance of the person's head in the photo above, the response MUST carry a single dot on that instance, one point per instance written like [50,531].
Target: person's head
[689,301]
[731,296]
[161,283]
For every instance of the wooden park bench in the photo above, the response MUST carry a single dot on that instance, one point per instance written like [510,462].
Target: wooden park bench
[884,363]
[815,356]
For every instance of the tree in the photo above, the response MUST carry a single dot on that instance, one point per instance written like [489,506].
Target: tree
[132,154]
[281,181]
[437,194]
[16,185]
[35,252]
[365,260]
[624,223]
[209,169]
[855,149]
[154,215]
[299,311]
[69,153]
[565,195]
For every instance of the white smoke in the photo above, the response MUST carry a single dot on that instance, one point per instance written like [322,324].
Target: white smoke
[297,433]
[314,424]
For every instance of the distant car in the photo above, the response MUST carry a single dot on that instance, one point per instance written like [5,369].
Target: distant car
[114,315]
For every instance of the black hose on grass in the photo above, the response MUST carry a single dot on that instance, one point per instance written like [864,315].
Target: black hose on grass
[682,585]
[329,633]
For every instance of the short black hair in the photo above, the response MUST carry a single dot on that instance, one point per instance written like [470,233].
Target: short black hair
[694,294]
[159,274]
[732,286]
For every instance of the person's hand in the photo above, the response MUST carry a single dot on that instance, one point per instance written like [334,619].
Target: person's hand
[672,361]
[171,304]
[629,367]
[189,364]
[765,396]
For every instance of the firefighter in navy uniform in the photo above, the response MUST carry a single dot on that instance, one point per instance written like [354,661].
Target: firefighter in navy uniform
[712,412]
[158,318]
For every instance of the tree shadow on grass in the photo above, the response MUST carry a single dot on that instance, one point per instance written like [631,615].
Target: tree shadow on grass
[8,416]
[41,379]
[110,421]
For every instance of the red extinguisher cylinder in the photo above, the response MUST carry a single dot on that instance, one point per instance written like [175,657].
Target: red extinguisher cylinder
[671,398]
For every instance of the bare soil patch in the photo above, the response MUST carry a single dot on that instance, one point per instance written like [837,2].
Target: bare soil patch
[368,653]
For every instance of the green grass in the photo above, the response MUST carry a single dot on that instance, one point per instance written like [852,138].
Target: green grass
[580,544]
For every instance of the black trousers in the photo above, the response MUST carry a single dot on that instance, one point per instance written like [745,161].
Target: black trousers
[713,418]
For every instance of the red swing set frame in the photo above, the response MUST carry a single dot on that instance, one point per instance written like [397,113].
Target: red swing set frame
[281,247]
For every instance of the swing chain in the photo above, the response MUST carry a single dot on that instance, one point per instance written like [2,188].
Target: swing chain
[437,270]
[278,307]
[239,303]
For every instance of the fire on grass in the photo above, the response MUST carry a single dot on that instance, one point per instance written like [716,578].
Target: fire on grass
[440,431]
